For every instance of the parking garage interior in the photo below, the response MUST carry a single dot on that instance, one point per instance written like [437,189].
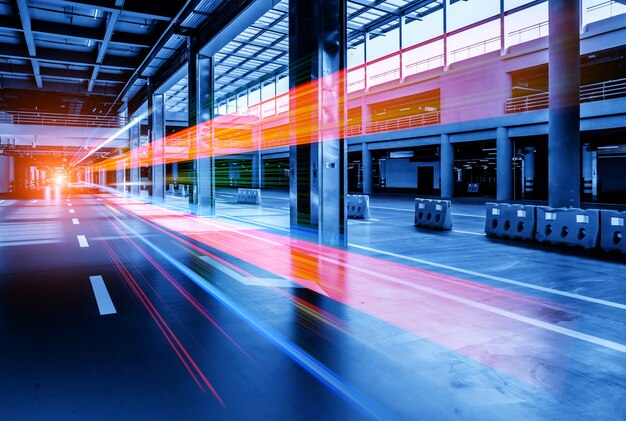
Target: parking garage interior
[211,209]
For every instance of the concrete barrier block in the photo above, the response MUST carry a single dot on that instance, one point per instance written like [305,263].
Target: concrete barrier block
[572,226]
[358,206]
[612,230]
[510,220]
[432,213]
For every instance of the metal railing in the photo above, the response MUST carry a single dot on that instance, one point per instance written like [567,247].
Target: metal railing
[354,130]
[588,93]
[407,122]
[58,119]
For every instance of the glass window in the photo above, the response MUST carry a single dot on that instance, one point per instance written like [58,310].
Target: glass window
[425,57]
[595,10]
[474,42]
[356,55]
[283,84]
[382,45]
[512,4]
[255,95]
[416,31]
[526,25]
[463,13]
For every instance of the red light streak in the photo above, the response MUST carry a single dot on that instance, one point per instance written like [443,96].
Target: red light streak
[414,299]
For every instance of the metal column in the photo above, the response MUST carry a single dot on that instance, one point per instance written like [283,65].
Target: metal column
[447,167]
[158,148]
[317,159]
[504,175]
[564,98]
[134,159]
[202,194]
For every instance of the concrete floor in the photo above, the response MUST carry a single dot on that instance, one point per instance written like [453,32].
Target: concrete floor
[227,318]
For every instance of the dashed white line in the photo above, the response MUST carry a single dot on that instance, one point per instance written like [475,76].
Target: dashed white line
[103,298]
[69,204]
[75,221]
[82,241]
[72,211]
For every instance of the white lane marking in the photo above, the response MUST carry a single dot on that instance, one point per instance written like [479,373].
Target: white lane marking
[395,209]
[252,222]
[103,299]
[72,211]
[82,241]
[75,221]
[67,200]
[1,201]
[495,310]
[69,204]
[35,201]
[470,232]
[469,215]
[497,278]
[99,199]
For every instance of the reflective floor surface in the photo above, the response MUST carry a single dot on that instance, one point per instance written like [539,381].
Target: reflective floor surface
[112,308]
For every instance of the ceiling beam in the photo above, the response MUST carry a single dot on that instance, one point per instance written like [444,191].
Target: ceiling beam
[110,24]
[8,70]
[66,57]
[140,9]
[22,8]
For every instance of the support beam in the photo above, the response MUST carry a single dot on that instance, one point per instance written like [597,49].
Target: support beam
[22,7]
[564,174]
[317,185]
[110,24]
[504,170]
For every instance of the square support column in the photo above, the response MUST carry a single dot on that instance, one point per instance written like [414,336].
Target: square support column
[157,133]
[317,157]
[200,96]
[504,170]
[447,167]
[564,175]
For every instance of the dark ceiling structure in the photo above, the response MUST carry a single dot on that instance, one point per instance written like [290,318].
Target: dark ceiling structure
[76,56]
[90,56]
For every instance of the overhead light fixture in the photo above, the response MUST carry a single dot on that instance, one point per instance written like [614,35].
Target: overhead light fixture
[609,147]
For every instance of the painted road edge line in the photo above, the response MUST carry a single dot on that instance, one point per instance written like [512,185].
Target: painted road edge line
[82,241]
[496,278]
[103,299]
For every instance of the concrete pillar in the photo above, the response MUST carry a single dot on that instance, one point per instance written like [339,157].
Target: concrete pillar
[158,148]
[564,98]
[135,167]
[318,171]
[366,162]
[200,97]
[504,159]
[447,167]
